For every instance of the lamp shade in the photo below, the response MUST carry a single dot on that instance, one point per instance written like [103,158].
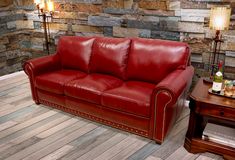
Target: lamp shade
[220,18]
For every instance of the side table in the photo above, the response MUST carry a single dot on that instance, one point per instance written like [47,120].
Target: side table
[206,107]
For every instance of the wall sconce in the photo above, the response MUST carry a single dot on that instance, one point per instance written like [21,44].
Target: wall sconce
[45,10]
[219,20]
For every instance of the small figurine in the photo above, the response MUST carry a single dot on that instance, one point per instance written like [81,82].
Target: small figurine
[229,88]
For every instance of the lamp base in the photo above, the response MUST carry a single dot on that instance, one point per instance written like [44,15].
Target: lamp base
[207,80]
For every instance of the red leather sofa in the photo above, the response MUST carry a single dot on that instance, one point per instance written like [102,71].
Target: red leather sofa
[137,85]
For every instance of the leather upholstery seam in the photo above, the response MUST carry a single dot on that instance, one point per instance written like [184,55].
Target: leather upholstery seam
[187,57]
[29,67]
[155,112]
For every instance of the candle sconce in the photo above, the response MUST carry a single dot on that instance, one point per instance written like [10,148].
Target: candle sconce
[46,12]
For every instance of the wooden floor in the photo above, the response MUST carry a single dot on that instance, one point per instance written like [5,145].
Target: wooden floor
[31,132]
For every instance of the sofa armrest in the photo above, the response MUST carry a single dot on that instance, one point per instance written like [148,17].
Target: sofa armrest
[166,101]
[176,82]
[41,65]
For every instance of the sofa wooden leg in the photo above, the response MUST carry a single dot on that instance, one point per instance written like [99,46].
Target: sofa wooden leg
[37,102]
[158,142]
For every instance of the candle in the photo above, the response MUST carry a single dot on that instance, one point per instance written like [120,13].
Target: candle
[50,6]
[37,2]
[42,5]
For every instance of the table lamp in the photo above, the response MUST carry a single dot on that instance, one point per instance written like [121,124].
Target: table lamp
[219,20]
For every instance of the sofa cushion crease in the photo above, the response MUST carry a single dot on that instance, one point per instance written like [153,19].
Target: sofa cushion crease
[55,81]
[91,87]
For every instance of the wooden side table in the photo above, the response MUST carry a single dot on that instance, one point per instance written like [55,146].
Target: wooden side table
[206,107]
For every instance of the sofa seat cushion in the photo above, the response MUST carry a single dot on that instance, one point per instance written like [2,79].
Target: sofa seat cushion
[54,81]
[91,87]
[132,96]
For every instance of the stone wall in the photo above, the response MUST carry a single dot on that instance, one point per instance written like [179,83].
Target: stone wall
[19,40]
[180,20]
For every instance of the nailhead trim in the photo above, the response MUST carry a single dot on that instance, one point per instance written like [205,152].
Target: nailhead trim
[91,117]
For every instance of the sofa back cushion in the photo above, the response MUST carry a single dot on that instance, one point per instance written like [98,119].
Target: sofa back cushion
[151,60]
[75,52]
[109,55]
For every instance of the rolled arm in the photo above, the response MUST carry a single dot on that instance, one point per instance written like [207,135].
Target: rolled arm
[165,101]
[176,82]
[41,65]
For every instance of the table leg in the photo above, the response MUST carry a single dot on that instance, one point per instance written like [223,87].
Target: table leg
[195,129]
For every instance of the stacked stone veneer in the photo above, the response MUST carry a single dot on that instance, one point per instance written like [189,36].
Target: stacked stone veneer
[180,20]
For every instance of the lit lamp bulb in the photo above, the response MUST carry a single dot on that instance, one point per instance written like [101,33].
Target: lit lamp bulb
[219,23]
[50,6]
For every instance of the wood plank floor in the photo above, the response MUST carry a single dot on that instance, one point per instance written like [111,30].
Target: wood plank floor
[31,132]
